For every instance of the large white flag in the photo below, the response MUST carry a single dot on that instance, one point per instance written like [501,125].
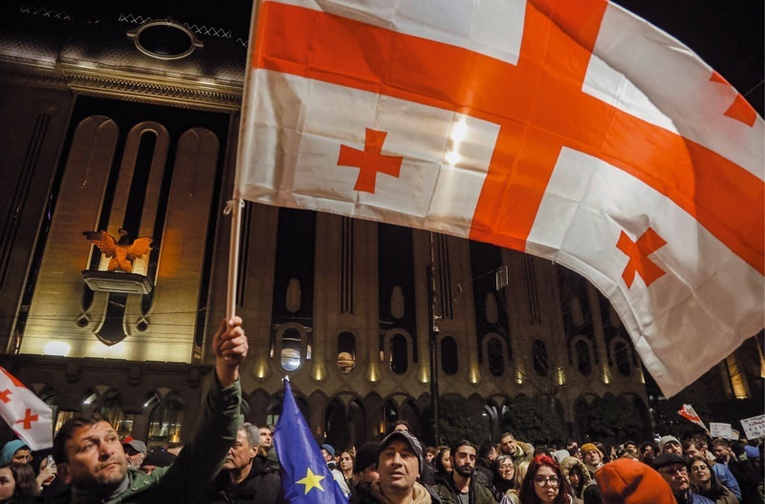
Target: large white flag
[569,130]
[25,413]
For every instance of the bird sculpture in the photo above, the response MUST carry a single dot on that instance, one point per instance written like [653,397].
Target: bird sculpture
[122,251]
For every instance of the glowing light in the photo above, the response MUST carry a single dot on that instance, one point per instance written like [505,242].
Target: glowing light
[261,369]
[424,375]
[561,376]
[456,136]
[519,377]
[59,348]
[475,375]
[606,375]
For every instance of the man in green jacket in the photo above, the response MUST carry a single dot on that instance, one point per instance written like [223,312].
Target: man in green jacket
[92,461]
[461,487]
[517,450]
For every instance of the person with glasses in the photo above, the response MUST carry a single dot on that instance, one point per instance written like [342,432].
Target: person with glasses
[504,476]
[545,484]
[674,469]
[704,482]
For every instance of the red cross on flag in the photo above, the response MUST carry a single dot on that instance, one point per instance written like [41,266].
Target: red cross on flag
[689,413]
[573,131]
[25,413]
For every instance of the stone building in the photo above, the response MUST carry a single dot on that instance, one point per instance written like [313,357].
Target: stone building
[119,120]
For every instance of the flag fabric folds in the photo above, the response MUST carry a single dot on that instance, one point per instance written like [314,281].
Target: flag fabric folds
[25,413]
[687,412]
[572,131]
[306,477]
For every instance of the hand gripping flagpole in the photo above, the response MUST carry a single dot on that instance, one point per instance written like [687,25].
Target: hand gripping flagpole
[234,208]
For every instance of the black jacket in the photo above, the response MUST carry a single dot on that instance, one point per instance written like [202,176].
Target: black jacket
[259,487]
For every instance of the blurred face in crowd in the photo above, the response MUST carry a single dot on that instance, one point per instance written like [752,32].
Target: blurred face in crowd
[446,460]
[399,468]
[673,447]
[700,473]
[492,456]
[677,477]
[134,457]
[22,456]
[266,438]
[506,469]
[508,445]
[463,460]
[7,483]
[346,462]
[241,453]
[592,457]
[692,451]
[95,457]
[546,483]
[722,453]
[575,477]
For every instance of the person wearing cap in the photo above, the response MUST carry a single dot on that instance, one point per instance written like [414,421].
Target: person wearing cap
[461,485]
[90,457]
[694,446]
[670,444]
[15,452]
[627,481]
[328,452]
[399,462]
[135,451]
[592,457]
[365,467]
[674,469]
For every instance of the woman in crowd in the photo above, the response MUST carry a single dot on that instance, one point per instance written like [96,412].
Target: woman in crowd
[544,483]
[512,496]
[577,475]
[443,463]
[706,483]
[347,460]
[504,476]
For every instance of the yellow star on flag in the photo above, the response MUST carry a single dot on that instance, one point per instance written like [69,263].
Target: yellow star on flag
[310,481]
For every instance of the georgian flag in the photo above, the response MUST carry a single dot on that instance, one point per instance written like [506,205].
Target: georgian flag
[573,131]
[25,413]
[689,413]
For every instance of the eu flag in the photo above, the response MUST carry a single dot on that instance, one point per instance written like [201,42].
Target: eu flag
[306,478]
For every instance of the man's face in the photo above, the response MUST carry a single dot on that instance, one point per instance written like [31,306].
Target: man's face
[95,457]
[463,460]
[492,456]
[722,453]
[241,453]
[631,448]
[508,445]
[673,447]
[22,456]
[399,468]
[369,474]
[592,457]
[692,451]
[677,477]
[134,457]
[326,455]
[266,438]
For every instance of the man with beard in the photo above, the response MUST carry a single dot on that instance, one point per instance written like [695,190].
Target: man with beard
[92,461]
[244,479]
[460,486]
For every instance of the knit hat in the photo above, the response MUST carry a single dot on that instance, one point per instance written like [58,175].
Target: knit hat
[366,455]
[10,449]
[751,452]
[559,455]
[330,449]
[406,437]
[627,481]
[667,459]
[590,446]
[667,439]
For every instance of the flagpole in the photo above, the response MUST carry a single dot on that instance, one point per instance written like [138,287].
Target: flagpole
[432,334]
[233,207]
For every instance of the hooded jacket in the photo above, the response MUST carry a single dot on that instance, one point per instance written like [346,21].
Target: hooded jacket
[565,467]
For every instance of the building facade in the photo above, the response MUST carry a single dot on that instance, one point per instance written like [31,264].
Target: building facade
[104,128]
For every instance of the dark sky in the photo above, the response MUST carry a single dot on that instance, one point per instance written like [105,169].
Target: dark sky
[729,35]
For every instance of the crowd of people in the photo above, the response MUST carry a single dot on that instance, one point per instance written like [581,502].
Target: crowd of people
[231,461]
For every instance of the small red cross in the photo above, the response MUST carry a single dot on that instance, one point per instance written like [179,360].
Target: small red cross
[370,160]
[5,395]
[28,419]
[638,253]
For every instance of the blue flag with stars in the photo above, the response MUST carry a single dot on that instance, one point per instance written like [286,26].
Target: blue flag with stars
[306,478]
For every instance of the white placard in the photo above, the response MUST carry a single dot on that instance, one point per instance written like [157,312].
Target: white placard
[754,427]
[722,430]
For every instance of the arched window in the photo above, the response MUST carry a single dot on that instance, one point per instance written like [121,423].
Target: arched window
[449,363]
[292,342]
[583,360]
[399,354]
[495,357]
[166,420]
[539,351]
[346,352]
[622,358]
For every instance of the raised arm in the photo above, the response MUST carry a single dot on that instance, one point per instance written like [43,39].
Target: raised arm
[230,347]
